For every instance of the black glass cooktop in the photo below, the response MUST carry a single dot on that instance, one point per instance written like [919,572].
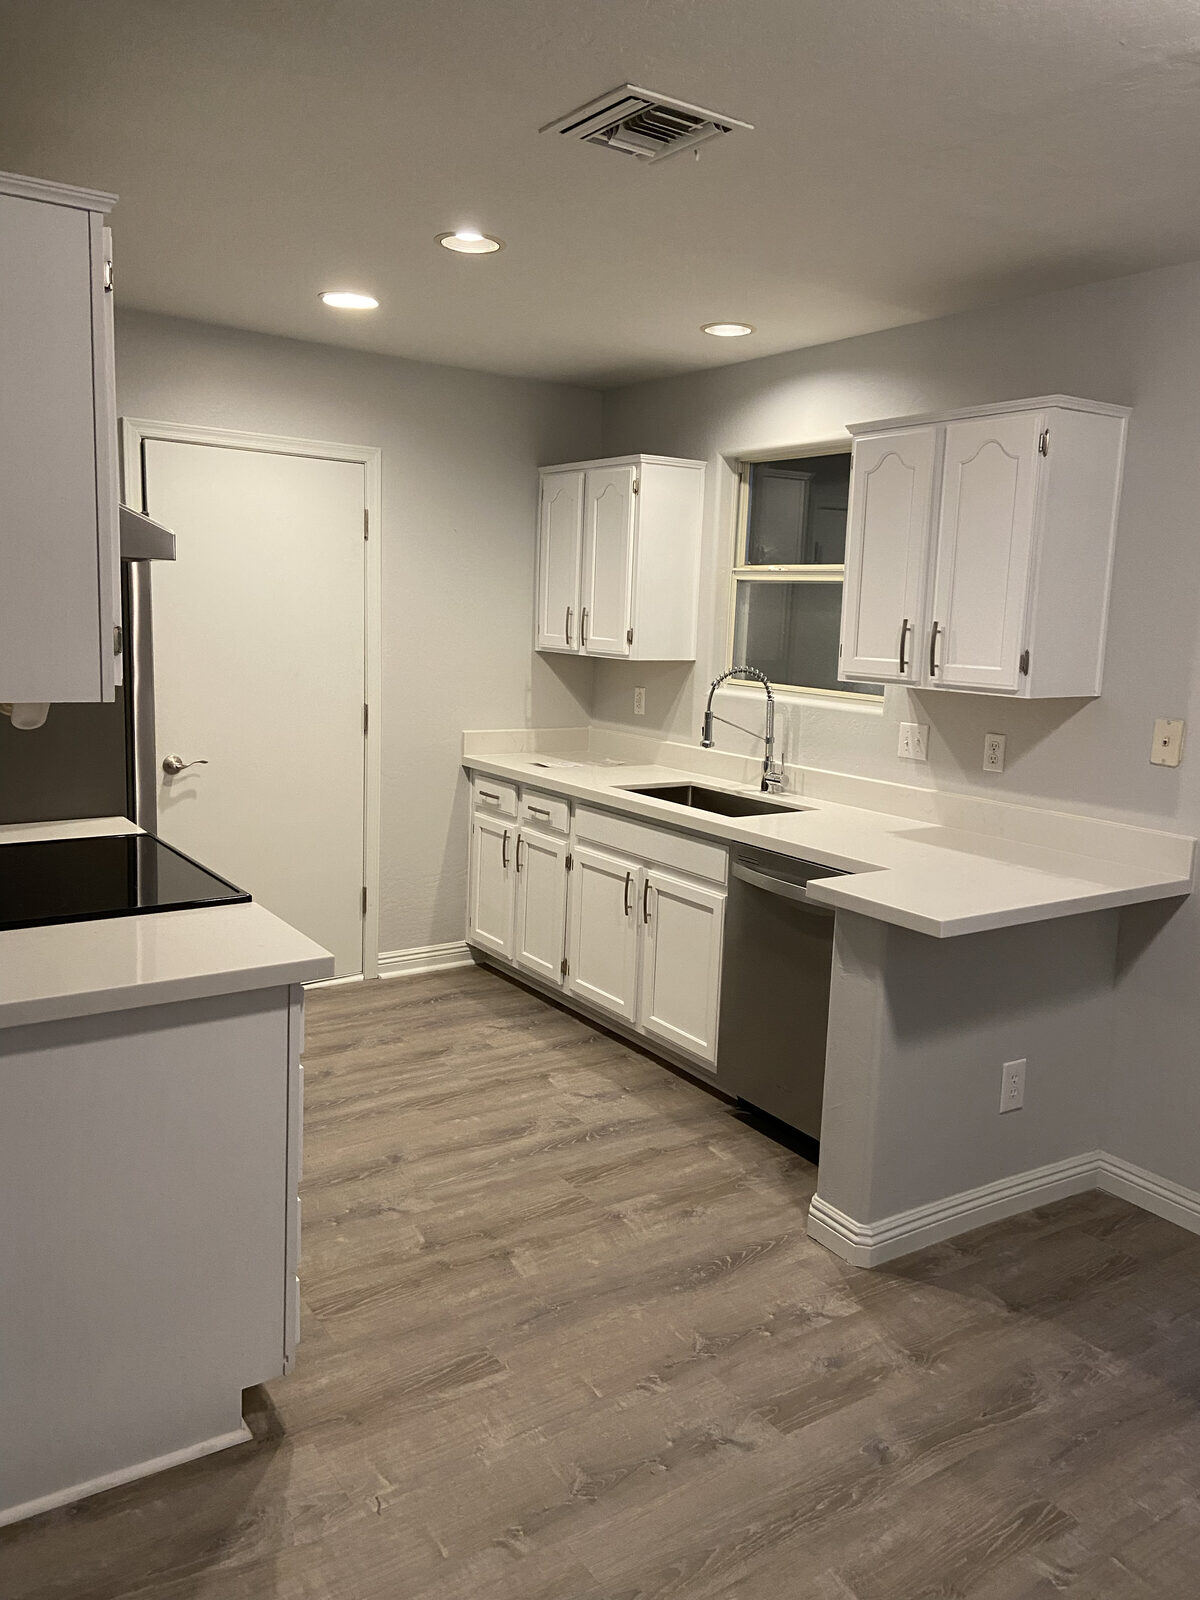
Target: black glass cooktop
[118,875]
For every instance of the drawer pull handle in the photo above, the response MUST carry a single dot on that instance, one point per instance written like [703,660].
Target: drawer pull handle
[487,794]
[537,811]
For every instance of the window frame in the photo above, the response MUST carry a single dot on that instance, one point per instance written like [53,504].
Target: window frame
[743,572]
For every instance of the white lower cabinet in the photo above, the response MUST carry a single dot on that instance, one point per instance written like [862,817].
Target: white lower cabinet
[490,890]
[623,916]
[602,936]
[541,903]
[682,926]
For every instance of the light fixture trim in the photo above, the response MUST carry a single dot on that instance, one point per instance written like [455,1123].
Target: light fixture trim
[349,300]
[470,242]
[727,330]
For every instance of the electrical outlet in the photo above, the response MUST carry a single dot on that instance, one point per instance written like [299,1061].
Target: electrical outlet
[993,752]
[1012,1086]
[639,702]
[1167,749]
[913,744]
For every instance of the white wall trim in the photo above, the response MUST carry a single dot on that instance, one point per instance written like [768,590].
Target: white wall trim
[424,958]
[112,1480]
[136,430]
[870,1244]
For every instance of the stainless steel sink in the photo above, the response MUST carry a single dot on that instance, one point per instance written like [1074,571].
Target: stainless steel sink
[719,801]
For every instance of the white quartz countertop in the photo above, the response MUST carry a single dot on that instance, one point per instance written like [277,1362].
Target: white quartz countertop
[118,963]
[930,878]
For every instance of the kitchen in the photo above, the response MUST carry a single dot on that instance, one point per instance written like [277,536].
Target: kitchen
[1035,912]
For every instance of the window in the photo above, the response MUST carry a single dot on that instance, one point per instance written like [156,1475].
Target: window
[788,571]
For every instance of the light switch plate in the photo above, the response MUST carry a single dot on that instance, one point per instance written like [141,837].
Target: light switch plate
[913,744]
[1167,749]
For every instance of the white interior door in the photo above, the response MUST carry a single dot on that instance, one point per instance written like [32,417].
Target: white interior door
[984,548]
[259,668]
[560,534]
[887,536]
[608,504]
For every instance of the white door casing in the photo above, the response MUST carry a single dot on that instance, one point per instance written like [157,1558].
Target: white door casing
[682,929]
[541,903]
[266,656]
[608,515]
[888,529]
[602,936]
[560,536]
[984,549]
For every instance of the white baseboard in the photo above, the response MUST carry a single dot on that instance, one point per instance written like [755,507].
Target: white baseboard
[423,958]
[113,1480]
[870,1244]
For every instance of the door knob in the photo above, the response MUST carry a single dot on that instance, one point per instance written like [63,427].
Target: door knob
[174,765]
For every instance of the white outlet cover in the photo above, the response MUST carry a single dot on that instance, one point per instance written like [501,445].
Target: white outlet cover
[1012,1085]
[1167,749]
[993,752]
[639,702]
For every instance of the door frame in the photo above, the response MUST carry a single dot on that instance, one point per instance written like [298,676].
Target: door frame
[135,431]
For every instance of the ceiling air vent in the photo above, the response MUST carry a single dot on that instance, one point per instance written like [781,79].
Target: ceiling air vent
[643,124]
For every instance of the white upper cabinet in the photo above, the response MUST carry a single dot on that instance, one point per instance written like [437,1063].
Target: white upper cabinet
[559,557]
[59,500]
[619,558]
[979,548]
[891,487]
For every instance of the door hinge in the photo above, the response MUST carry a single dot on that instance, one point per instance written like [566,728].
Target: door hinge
[1044,442]
[564,968]
[628,635]
[364,899]
[1024,663]
[366,523]
[118,639]
[366,718]
[637,486]
[570,861]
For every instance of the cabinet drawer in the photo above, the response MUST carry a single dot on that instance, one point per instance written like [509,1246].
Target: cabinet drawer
[660,846]
[545,811]
[495,795]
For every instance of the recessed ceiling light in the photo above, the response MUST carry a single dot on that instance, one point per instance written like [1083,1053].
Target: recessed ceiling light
[470,242]
[727,330]
[349,300]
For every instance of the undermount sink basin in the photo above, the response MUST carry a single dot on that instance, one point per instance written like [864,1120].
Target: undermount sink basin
[697,798]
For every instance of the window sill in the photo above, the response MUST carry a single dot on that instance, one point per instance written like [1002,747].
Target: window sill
[870,705]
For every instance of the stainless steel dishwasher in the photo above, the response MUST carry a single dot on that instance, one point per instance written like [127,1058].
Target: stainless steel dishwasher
[775,987]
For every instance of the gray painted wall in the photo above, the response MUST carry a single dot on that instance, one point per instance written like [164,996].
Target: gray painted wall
[460,452]
[1134,340]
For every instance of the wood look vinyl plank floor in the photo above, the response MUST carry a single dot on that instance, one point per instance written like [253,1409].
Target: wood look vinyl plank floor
[565,1338]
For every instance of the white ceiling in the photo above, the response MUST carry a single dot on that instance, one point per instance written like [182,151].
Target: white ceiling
[909,158]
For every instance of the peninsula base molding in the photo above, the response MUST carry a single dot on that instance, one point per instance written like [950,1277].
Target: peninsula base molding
[423,958]
[870,1244]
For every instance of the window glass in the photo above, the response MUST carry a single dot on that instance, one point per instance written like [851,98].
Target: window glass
[789,631]
[797,511]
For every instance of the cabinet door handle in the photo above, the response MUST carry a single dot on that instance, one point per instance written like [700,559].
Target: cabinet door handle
[628,886]
[570,618]
[520,842]
[933,639]
[646,901]
[904,629]
[583,619]
[504,852]
[490,796]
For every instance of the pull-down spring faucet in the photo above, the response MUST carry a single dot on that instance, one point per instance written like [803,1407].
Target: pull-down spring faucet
[772,778]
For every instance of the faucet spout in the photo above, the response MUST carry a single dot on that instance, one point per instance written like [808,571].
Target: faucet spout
[772,778]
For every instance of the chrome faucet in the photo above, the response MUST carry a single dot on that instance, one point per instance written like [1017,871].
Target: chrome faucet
[772,778]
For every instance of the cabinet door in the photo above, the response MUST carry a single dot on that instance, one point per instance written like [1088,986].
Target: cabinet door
[541,920]
[490,912]
[887,540]
[58,573]
[682,926]
[602,936]
[984,548]
[560,555]
[608,510]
